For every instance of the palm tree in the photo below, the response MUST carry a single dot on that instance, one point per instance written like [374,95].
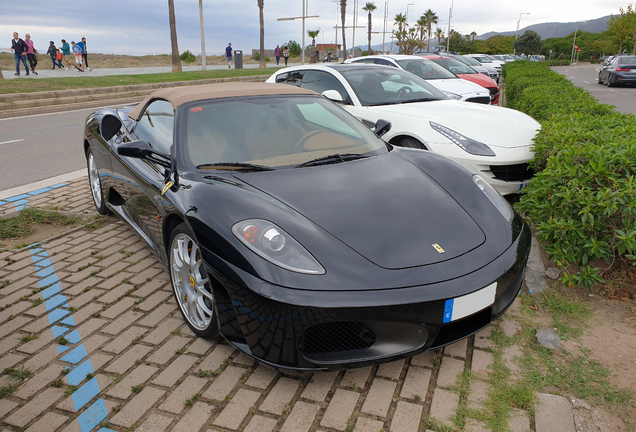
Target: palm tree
[421,26]
[176,62]
[369,7]
[261,61]
[439,34]
[430,18]
[472,35]
[400,20]
[313,34]
[343,14]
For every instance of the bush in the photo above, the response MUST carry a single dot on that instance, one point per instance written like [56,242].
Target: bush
[256,56]
[188,57]
[557,63]
[582,198]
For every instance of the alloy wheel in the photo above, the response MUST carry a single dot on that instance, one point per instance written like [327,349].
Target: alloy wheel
[189,282]
[96,186]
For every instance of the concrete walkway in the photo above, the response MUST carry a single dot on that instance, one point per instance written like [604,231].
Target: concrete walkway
[44,71]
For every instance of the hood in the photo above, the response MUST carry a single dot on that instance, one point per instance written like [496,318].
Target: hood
[460,87]
[383,207]
[492,125]
[479,79]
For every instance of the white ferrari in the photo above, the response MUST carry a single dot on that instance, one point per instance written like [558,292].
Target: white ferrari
[491,141]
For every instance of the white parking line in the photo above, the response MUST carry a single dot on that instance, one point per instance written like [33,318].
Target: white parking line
[12,141]
[586,82]
[43,183]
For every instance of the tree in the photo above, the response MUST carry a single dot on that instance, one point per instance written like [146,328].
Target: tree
[529,43]
[176,63]
[312,34]
[369,7]
[294,48]
[628,16]
[472,36]
[420,25]
[261,61]
[618,31]
[343,14]
[401,33]
[430,18]
[439,34]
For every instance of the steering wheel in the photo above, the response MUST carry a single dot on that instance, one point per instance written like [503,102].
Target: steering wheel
[300,145]
[403,91]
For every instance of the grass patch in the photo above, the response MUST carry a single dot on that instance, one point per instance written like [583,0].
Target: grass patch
[7,390]
[29,337]
[568,314]
[18,374]
[49,84]
[22,225]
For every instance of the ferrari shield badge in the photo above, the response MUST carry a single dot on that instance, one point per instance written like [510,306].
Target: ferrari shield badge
[438,248]
[166,187]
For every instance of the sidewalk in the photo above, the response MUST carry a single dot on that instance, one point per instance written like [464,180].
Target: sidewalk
[114,354]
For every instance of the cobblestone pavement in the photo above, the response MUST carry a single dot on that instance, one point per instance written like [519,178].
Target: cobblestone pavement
[114,354]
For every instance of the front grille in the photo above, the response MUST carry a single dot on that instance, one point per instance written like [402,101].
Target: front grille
[337,337]
[481,100]
[494,91]
[518,172]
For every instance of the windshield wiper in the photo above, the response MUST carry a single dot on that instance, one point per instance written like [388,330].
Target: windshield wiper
[331,159]
[235,166]
[404,101]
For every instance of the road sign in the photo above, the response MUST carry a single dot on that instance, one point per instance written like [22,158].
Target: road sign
[579,50]
[576,46]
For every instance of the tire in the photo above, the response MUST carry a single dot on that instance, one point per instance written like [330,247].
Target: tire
[609,81]
[190,283]
[599,79]
[97,192]
[411,143]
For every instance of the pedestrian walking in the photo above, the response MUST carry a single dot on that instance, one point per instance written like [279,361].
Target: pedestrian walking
[19,49]
[78,56]
[277,53]
[286,54]
[82,45]
[66,52]
[228,55]
[52,51]
[33,60]
[59,56]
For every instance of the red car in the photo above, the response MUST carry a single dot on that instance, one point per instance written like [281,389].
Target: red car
[467,73]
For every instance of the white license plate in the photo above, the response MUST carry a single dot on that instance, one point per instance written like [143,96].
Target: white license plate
[469,304]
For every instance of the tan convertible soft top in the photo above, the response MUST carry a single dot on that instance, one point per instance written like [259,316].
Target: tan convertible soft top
[179,95]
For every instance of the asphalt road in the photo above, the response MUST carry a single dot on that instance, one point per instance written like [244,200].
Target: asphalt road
[586,77]
[38,147]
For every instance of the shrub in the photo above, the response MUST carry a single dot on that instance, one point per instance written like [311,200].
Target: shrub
[582,198]
[256,56]
[188,57]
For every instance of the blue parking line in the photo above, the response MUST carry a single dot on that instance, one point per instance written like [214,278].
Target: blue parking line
[73,337]
[49,280]
[58,330]
[58,185]
[43,262]
[17,198]
[39,191]
[78,374]
[3,203]
[85,393]
[56,315]
[76,355]
[92,416]
[47,271]
[54,302]
[19,205]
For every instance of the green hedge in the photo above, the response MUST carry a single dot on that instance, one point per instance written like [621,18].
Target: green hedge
[583,198]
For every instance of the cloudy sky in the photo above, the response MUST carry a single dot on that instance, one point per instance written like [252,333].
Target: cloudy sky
[141,26]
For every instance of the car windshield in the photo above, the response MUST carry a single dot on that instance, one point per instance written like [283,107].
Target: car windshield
[483,59]
[425,69]
[454,66]
[270,132]
[628,61]
[469,60]
[381,86]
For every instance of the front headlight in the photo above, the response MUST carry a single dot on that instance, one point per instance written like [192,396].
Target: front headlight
[276,246]
[467,144]
[453,96]
[494,197]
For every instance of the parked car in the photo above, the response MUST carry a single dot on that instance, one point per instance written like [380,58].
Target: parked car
[295,232]
[487,63]
[621,70]
[489,140]
[452,85]
[607,60]
[467,73]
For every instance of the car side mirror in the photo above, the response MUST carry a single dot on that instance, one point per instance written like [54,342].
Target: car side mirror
[143,150]
[333,95]
[382,127]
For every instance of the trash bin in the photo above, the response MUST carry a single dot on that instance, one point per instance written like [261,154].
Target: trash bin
[238,59]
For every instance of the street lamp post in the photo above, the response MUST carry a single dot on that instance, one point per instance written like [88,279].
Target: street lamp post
[514,50]
[303,17]
[450,15]
[407,12]
[202,36]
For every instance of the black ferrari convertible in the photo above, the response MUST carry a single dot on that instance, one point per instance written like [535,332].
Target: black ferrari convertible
[297,233]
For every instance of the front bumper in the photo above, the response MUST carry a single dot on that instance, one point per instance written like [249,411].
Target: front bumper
[311,330]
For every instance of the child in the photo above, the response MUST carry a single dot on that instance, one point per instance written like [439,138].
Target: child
[59,56]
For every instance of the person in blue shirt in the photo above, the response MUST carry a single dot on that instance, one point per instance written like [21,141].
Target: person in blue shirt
[78,56]
[228,55]
[84,48]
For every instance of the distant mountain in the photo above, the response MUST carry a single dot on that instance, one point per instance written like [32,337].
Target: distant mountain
[554,29]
